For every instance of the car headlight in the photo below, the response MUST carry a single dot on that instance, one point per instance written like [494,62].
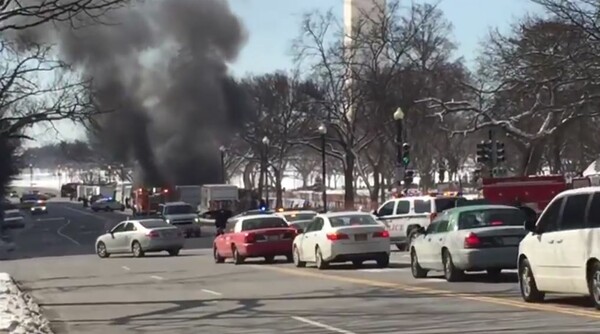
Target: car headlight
[168,221]
[196,220]
[32,208]
[43,208]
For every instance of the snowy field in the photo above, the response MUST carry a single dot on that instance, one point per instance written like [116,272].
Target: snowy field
[19,314]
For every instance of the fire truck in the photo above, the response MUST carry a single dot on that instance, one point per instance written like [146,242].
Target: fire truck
[145,201]
[531,193]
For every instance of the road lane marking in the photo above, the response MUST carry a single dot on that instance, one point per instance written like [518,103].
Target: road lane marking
[437,292]
[59,232]
[212,292]
[126,268]
[49,219]
[321,325]
[157,278]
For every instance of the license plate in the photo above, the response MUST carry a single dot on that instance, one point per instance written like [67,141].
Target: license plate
[511,241]
[360,237]
[273,237]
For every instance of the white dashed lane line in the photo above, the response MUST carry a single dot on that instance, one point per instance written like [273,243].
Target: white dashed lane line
[126,268]
[159,278]
[322,325]
[212,292]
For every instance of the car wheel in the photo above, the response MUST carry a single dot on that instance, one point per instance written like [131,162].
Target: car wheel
[136,249]
[527,285]
[594,284]
[297,262]
[357,263]
[237,258]
[415,268]
[412,235]
[450,272]
[101,250]
[107,209]
[321,264]
[383,261]
[217,256]
[174,252]
[269,259]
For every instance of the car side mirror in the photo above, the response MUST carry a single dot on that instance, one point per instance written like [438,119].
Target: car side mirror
[421,230]
[530,226]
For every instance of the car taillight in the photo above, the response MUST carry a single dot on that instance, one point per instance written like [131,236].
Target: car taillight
[432,216]
[249,238]
[152,234]
[382,234]
[337,236]
[472,241]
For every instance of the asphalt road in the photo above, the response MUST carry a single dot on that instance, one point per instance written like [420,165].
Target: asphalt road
[82,293]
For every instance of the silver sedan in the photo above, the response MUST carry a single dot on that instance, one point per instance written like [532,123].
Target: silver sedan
[139,237]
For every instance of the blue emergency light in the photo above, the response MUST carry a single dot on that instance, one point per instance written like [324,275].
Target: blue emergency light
[263,208]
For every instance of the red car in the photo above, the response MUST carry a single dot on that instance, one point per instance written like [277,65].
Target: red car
[263,235]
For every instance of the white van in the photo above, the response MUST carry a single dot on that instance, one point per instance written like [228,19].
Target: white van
[561,252]
[404,216]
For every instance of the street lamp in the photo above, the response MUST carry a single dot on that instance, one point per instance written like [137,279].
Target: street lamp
[323,131]
[122,177]
[222,149]
[398,117]
[265,142]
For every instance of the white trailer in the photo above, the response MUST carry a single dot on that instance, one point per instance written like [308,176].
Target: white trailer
[213,194]
[190,194]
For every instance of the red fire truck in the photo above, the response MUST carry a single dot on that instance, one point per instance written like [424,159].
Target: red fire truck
[531,193]
[145,201]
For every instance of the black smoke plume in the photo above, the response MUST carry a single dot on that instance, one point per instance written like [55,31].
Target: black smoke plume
[161,65]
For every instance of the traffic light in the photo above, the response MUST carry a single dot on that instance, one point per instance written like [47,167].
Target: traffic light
[484,152]
[405,154]
[500,152]
[409,175]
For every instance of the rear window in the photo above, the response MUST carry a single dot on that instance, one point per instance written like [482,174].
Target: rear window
[490,217]
[154,224]
[299,216]
[260,223]
[422,206]
[443,204]
[300,224]
[349,220]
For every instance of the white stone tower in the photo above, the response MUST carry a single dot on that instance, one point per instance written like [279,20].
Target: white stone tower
[356,11]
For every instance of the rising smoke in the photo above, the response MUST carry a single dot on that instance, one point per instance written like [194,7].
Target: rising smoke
[162,66]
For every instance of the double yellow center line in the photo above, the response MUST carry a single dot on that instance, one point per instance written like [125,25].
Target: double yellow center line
[437,292]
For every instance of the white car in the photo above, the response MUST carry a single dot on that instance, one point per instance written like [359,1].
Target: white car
[561,252]
[13,219]
[341,237]
[107,204]
[140,237]
[469,238]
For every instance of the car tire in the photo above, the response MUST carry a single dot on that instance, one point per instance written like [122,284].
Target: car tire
[107,209]
[383,261]
[451,273]
[594,284]
[289,258]
[321,264]
[218,258]
[415,268]
[296,259]
[101,250]
[174,252]
[237,258]
[357,263]
[527,285]
[269,259]
[412,235]
[136,249]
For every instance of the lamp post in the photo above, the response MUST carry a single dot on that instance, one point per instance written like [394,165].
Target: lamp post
[265,142]
[323,131]
[398,117]
[222,149]
[30,176]
[122,176]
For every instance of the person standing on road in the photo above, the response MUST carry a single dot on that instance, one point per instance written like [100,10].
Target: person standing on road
[222,216]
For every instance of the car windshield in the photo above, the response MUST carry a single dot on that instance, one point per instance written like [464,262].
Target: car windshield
[350,220]
[30,197]
[154,224]
[178,209]
[490,217]
[260,223]
[443,204]
[292,217]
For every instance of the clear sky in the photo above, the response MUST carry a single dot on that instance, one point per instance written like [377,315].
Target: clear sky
[273,24]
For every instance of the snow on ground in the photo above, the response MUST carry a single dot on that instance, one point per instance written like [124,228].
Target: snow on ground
[19,314]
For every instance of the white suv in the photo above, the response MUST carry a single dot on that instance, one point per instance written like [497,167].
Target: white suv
[404,216]
[561,252]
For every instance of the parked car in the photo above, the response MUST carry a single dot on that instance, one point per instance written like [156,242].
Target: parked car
[39,208]
[560,253]
[140,237]
[341,237]
[469,238]
[107,204]
[298,219]
[264,235]
[13,219]
[183,216]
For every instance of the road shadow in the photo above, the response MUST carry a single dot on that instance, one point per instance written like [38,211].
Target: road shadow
[482,278]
